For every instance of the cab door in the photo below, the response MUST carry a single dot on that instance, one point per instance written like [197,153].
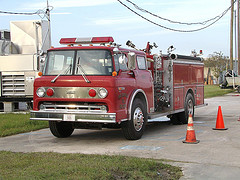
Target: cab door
[125,84]
[144,79]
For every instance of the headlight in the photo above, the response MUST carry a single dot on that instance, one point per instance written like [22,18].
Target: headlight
[102,92]
[40,92]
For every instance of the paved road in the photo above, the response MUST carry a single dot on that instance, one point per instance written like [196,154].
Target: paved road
[217,156]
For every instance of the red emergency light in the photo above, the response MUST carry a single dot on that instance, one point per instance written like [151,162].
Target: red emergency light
[93,40]
[50,92]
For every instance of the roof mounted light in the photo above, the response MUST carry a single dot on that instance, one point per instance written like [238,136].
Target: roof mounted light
[93,40]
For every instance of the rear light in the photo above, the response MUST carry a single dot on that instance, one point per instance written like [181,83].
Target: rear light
[92,92]
[40,92]
[94,40]
[50,92]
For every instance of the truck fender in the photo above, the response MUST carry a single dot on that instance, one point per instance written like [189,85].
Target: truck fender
[138,93]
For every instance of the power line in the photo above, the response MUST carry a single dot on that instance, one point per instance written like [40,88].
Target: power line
[19,13]
[177,30]
[178,22]
[39,12]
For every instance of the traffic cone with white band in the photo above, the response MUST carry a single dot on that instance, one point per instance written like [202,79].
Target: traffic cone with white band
[220,123]
[190,136]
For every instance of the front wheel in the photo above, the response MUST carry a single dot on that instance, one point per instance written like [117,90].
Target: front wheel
[61,129]
[133,129]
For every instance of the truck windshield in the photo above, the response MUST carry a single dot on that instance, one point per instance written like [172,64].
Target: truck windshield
[87,62]
[59,62]
[94,62]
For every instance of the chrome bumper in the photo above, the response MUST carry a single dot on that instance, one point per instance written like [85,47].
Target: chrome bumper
[68,116]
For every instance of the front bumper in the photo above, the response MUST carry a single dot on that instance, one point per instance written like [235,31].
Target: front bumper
[68,116]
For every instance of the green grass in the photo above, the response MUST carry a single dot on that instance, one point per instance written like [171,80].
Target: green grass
[11,124]
[78,166]
[215,90]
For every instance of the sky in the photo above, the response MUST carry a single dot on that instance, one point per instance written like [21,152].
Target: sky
[93,18]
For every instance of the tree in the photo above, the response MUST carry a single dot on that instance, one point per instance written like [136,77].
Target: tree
[217,62]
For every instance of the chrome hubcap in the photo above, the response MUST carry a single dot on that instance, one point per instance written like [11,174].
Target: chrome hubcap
[190,106]
[138,119]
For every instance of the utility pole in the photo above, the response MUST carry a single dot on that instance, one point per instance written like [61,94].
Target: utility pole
[231,36]
[238,36]
[49,22]
[235,42]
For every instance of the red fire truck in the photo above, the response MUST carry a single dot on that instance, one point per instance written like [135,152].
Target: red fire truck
[85,85]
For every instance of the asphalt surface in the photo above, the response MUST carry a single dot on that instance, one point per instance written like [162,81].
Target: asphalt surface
[217,156]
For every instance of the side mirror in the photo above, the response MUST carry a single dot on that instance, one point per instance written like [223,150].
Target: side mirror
[131,61]
[41,53]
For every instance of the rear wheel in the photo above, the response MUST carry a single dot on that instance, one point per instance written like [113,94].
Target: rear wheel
[188,109]
[134,128]
[61,129]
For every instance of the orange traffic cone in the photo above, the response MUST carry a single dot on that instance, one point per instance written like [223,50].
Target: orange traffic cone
[220,122]
[190,136]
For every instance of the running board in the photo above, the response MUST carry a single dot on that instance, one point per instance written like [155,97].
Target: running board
[159,119]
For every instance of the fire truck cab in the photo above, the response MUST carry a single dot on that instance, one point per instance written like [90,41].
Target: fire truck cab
[89,86]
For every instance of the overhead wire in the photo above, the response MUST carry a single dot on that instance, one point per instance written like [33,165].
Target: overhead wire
[178,30]
[41,12]
[20,13]
[178,22]
[215,19]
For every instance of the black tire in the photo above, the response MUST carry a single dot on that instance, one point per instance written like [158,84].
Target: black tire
[188,109]
[238,89]
[133,129]
[224,84]
[61,129]
[174,118]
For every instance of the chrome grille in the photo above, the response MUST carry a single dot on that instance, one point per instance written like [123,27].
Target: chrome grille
[13,85]
[74,108]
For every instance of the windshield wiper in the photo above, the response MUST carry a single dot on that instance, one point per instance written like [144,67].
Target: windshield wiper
[82,71]
[65,71]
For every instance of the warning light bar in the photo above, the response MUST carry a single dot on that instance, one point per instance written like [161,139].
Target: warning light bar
[89,40]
